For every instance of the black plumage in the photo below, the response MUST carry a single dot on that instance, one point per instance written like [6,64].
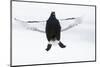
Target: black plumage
[53,30]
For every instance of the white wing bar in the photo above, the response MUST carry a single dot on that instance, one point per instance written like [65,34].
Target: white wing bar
[77,21]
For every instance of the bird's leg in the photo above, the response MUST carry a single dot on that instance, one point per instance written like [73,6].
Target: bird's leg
[61,45]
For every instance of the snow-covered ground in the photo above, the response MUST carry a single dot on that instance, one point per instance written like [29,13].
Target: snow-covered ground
[28,47]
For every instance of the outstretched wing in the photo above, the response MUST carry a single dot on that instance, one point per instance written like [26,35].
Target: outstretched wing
[27,24]
[72,23]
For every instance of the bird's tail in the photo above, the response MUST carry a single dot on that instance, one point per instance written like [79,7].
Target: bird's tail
[61,45]
[48,47]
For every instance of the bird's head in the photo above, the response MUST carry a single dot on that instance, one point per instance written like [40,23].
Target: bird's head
[53,14]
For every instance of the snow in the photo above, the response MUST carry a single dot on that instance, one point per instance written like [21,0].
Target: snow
[28,47]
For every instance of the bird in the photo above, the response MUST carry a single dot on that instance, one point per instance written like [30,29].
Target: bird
[53,31]
[53,28]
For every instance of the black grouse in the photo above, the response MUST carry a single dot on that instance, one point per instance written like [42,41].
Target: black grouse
[53,31]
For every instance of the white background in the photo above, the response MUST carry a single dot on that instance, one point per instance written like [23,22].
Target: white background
[5,33]
[28,46]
